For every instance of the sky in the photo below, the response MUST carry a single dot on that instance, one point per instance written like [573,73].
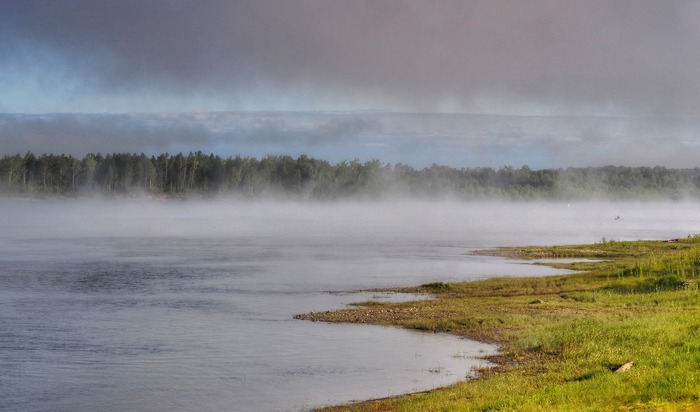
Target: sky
[544,83]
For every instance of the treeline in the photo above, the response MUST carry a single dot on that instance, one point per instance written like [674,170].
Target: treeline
[198,174]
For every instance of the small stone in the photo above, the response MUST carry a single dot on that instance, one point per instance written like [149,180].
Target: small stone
[624,368]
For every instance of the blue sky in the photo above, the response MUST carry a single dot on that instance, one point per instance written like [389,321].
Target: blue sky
[571,83]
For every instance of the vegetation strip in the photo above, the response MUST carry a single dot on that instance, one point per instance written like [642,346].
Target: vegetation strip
[199,174]
[623,333]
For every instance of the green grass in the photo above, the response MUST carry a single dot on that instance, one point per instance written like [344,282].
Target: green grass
[437,285]
[562,337]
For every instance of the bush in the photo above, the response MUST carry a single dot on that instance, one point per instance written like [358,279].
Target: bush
[669,282]
[437,285]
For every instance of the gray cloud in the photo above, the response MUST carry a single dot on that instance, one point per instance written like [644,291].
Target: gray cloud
[81,134]
[458,140]
[330,136]
[285,128]
[629,55]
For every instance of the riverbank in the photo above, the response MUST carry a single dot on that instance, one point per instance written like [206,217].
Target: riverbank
[563,338]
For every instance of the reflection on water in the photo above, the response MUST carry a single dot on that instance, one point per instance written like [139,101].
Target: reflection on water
[177,306]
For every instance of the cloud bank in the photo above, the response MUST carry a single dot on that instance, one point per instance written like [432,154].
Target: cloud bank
[458,140]
[498,56]
[81,134]
[546,83]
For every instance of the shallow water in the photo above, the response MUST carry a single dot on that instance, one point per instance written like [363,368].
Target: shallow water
[137,305]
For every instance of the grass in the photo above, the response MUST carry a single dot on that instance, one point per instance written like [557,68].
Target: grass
[562,337]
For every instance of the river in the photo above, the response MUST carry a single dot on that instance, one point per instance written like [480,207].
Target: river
[118,305]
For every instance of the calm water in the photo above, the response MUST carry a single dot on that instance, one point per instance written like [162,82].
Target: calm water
[138,305]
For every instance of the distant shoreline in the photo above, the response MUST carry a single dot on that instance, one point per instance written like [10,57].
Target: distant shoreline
[197,174]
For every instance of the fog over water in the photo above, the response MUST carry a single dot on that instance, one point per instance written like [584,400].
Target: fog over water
[154,306]
[179,306]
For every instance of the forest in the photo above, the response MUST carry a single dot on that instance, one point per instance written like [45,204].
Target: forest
[197,174]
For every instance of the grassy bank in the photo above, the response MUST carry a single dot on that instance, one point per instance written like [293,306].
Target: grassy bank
[563,337]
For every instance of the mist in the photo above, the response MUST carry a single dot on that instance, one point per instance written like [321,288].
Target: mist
[417,139]
[351,221]
[338,246]
[179,178]
[195,300]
